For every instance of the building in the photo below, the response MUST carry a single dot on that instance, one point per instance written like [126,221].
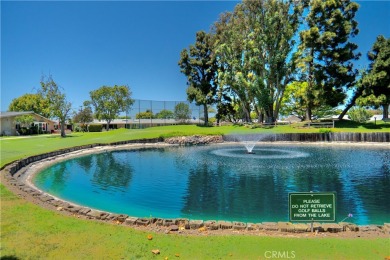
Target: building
[142,123]
[8,125]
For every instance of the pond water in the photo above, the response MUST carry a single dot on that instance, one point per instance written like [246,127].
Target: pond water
[223,182]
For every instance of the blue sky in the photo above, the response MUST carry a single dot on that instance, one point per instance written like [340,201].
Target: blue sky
[85,45]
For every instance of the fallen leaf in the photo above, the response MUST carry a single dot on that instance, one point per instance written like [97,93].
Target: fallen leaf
[156,251]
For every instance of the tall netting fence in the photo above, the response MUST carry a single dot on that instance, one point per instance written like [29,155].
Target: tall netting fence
[148,113]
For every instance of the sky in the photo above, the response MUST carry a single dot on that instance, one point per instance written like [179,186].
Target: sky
[87,44]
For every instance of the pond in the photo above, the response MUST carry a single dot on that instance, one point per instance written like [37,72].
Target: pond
[223,182]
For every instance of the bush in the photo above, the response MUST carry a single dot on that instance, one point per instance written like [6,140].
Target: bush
[325,131]
[359,114]
[95,128]
[78,128]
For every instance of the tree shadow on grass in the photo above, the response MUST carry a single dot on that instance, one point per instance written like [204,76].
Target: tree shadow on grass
[353,124]
[9,257]
[67,136]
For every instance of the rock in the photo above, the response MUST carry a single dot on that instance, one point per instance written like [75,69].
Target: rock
[225,224]
[73,209]
[97,214]
[159,222]
[333,228]
[211,224]
[300,228]
[142,222]
[269,226]
[121,217]
[349,226]
[285,227]
[131,220]
[369,228]
[195,224]
[84,211]
[239,225]
[194,140]
[181,222]
[169,222]
[173,228]
[45,198]
[252,226]
[386,228]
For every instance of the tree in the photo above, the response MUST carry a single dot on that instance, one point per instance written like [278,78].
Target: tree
[182,112]
[200,67]
[376,81]
[24,121]
[58,104]
[31,102]
[108,102]
[325,52]
[255,45]
[84,116]
[164,114]
[144,115]
[294,102]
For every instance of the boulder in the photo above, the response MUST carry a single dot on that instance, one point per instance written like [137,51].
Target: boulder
[142,222]
[225,224]
[131,220]
[173,228]
[195,224]
[239,225]
[211,224]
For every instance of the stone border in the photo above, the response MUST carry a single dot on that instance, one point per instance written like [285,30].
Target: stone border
[18,176]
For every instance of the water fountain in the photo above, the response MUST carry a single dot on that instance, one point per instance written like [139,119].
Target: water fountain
[248,140]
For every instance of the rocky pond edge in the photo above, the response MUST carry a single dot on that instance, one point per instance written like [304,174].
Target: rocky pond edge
[17,177]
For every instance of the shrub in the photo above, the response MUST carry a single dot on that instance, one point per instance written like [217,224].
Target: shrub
[78,128]
[325,131]
[359,114]
[95,128]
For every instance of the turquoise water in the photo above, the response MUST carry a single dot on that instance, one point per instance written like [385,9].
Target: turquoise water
[223,182]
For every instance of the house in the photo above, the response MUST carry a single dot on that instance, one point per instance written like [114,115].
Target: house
[141,123]
[292,119]
[8,125]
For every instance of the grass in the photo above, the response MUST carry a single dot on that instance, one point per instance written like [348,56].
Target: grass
[31,232]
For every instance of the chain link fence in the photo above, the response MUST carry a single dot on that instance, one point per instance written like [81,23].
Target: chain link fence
[148,113]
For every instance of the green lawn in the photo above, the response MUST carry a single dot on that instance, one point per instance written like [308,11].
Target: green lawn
[31,232]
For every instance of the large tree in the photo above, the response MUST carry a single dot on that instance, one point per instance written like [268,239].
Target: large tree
[255,44]
[108,102]
[326,53]
[59,106]
[376,81]
[294,102]
[199,65]
[31,102]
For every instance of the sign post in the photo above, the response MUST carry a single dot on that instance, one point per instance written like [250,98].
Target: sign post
[312,206]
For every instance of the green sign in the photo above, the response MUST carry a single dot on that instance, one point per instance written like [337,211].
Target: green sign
[312,206]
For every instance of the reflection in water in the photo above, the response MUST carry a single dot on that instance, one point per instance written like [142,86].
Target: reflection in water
[113,173]
[211,182]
